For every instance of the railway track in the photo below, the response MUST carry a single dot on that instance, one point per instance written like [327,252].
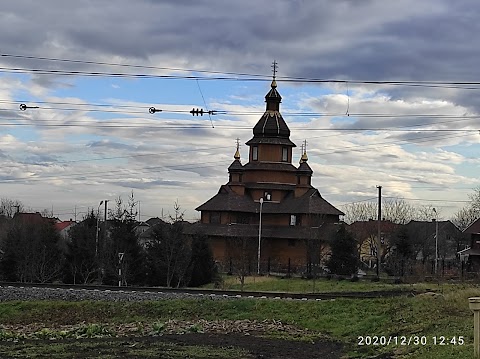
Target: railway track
[212,293]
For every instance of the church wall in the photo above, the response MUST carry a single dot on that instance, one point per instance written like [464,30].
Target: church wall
[273,153]
[270,177]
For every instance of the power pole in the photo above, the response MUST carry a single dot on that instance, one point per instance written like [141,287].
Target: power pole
[105,222]
[379,234]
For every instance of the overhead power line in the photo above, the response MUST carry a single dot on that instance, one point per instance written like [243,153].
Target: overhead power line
[225,75]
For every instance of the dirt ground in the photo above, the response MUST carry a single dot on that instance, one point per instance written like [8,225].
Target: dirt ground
[160,347]
[264,348]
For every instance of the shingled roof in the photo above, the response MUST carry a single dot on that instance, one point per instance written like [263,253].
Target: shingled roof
[229,201]
[248,230]
[271,128]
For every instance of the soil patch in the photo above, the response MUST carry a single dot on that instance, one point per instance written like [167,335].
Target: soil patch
[171,346]
[265,348]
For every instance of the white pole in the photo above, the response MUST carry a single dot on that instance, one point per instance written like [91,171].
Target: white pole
[474,304]
[436,241]
[259,236]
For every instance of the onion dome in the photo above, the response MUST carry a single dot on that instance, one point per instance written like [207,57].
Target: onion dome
[272,128]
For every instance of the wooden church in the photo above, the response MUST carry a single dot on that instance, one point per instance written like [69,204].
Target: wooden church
[269,209]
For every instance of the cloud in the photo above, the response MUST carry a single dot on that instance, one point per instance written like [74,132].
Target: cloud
[359,135]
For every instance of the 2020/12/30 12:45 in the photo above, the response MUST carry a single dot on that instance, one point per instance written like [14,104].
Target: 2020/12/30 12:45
[405,340]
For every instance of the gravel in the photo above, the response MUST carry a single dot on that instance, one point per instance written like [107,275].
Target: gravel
[10,293]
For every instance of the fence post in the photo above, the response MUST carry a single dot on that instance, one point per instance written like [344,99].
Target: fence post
[474,303]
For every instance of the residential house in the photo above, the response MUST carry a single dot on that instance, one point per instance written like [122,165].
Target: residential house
[366,234]
[472,254]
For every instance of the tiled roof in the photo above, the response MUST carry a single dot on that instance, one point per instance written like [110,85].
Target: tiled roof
[62,225]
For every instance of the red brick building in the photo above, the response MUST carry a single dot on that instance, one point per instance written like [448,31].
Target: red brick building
[292,211]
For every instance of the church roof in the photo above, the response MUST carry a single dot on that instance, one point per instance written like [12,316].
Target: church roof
[272,128]
[226,200]
[304,168]
[270,166]
[247,230]
[236,165]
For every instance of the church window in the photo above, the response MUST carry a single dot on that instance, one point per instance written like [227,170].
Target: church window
[284,154]
[267,196]
[255,153]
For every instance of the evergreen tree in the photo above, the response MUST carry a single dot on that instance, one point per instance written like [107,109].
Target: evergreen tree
[344,254]
[82,265]
[122,249]
[402,254]
[202,266]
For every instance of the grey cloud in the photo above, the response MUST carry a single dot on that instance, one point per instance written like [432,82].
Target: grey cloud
[150,184]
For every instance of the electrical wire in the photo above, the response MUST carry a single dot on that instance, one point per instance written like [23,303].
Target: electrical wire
[227,75]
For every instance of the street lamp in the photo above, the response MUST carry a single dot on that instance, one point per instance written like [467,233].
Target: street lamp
[259,236]
[96,235]
[436,241]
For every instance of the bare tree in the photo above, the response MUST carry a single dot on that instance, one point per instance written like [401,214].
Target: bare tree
[242,254]
[8,207]
[470,212]
[395,210]
[360,211]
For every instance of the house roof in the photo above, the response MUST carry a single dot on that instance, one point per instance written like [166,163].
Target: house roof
[473,228]
[62,225]
[371,226]
[429,226]
[226,200]
[32,218]
[154,221]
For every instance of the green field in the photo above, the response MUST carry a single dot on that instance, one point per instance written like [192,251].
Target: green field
[299,285]
[427,317]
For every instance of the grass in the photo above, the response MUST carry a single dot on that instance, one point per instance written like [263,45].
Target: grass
[342,319]
[321,285]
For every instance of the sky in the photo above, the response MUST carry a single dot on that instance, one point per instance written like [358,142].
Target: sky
[384,92]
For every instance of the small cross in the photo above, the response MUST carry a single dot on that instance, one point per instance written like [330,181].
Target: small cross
[304,146]
[238,142]
[274,67]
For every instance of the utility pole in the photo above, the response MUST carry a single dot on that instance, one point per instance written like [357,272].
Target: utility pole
[436,241]
[105,223]
[259,237]
[379,234]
